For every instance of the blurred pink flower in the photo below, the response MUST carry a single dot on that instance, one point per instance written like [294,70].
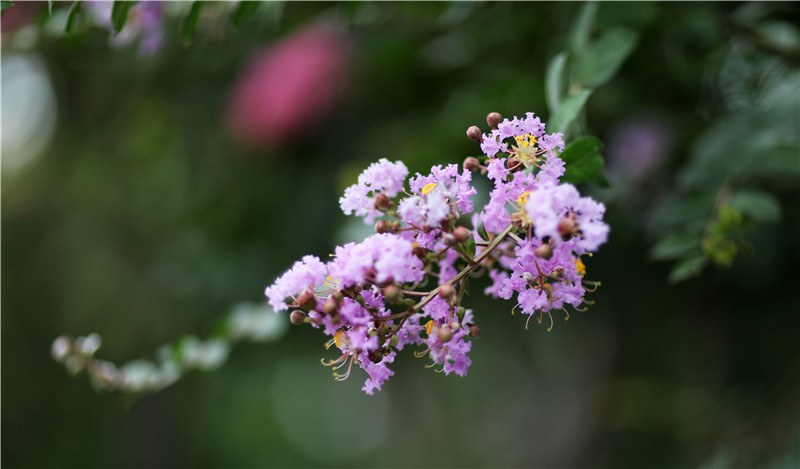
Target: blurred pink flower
[287,89]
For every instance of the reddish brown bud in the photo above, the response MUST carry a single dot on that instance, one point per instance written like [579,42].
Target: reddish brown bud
[338,296]
[306,300]
[385,226]
[471,163]
[494,119]
[567,227]
[297,317]
[474,332]
[447,292]
[544,251]
[513,164]
[392,294]
[449,240]
[474,133]
[461,234]
[330,306]
[382,202]
[444,334]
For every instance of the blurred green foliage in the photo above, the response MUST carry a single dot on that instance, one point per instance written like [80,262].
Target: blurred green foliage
[143,220]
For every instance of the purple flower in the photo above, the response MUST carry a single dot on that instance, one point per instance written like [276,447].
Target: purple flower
[382,177]
[306,273]
[378,259]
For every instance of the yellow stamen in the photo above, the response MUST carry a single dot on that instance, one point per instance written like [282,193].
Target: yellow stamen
[428,327]
[580,268]
[428,188]
[523,198]
[337,338]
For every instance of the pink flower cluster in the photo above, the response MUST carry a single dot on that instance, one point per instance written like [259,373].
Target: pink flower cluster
[375,297]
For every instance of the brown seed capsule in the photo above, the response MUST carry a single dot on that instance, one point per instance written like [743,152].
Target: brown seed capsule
[444,334]
[471,163]
[382,202]
[447,292]
[297,317]
[474,332]
[474,133]
[544,251]
[494,119]
[461,234]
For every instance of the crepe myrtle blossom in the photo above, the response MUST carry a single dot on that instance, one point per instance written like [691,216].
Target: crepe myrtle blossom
[404,286]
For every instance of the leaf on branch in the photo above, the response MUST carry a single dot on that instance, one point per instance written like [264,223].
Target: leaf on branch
[243,11]
[583,160]
[189,25]
[119,14]
[689,266]
[605,56]
[554,81]
[581,29]
[4,4]
[675,246]
[568,111]
[756,204]
[72,16]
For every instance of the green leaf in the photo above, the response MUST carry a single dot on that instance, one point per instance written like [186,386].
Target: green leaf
[554,81]
[50,7]
[581,29]
[119,14]
[482,232]
[189,25]
[568,111]
[243,11]
[72,16]
[582,159]
[689,266]
[760,206]
[675,246]
[605,56]
[4,4]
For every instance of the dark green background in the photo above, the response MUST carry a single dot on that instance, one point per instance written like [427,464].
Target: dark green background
[142,221]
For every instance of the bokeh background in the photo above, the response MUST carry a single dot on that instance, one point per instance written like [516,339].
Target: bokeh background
[149,185]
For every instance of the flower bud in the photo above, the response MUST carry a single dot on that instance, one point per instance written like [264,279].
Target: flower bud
[330,306]
[567,227]
[385,226]
[297,317]
[338,296]
[455,326]
[474,133]
[382,202]
[394,341]
[392,294]
[474,332]
[461,234]
[447,292]
[419,251]
[544,251]
[471,163]
[449,240]
[306,300]
[444,334]
[461,312]
[494,119]
[513,164]
[558,273]
[409,302]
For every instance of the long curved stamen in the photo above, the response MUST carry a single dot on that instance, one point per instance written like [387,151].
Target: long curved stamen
[343,377]
[567,313]
[333,362]
[594,285]
[551,321]
[529,320]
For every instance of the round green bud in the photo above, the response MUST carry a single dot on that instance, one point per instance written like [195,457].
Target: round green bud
[444,334]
